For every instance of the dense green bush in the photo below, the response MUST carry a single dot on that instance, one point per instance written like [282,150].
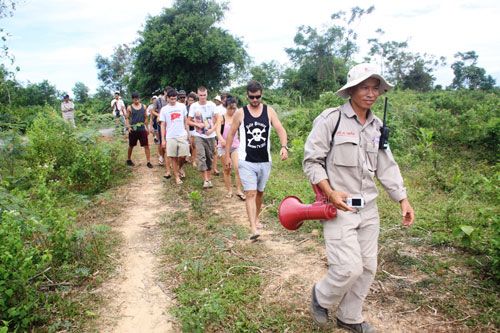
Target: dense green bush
[77,158]
[41,247]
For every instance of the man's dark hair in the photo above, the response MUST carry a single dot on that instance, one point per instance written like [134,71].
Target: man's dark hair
[135,95]
[191,95]
[202,88]
[171,92]
[167,88]
[117,93]
[254,86]
[230,100]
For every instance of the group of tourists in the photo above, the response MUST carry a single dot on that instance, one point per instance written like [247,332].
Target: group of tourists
[342,156]
[198,131]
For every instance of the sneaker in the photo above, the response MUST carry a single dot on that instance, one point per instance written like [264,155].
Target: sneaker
[160,159]
[364,327]
[210,184]
[206,184]
[318,313]
[149,165]
[130,163]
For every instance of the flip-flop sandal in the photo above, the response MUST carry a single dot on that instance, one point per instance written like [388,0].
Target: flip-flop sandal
[217,173]
[242,197]
[254,236]
[167,176]
[229,195]
[260,226]
[179,182]
[182,175]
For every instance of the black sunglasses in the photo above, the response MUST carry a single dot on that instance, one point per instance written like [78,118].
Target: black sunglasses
[182,97]
[254,96]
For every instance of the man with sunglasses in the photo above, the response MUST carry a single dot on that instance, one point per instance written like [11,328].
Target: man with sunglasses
[182,97]
[254,122]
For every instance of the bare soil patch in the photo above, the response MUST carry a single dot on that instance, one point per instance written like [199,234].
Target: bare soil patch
[137,299]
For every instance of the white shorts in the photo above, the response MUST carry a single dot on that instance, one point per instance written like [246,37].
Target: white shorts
[254,176]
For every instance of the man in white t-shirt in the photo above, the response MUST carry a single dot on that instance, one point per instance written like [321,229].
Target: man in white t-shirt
[220,109]
[202,117]
[174,127]
[119,112]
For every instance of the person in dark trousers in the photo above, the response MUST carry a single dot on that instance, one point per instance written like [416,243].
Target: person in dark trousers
[138,128]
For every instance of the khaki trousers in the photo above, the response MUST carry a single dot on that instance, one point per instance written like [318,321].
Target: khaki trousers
[69,116]
[351,244]
[205,151]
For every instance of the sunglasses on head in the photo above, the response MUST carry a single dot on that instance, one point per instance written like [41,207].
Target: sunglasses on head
[254,96]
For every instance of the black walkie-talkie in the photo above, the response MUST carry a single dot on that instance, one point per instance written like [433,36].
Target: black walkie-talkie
[384,132]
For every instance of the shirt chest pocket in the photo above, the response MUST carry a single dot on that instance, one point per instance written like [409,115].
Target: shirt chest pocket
[372,155]
[345,151]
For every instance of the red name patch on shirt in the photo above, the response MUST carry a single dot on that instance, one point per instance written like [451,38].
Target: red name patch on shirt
[346,133]
[174,116]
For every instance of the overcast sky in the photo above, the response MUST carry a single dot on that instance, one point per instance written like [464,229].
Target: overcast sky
[58,40]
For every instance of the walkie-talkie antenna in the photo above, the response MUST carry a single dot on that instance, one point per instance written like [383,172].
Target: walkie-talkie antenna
[384,131]
[385,110]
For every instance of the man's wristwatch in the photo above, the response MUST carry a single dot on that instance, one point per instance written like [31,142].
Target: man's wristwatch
[286,147]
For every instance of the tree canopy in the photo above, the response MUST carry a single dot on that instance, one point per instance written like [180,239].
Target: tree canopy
[81,92]
[115,71]
[183,48]
[468,74]
[321,57]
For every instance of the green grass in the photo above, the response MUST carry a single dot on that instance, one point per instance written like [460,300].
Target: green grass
[220,276]
[444,275]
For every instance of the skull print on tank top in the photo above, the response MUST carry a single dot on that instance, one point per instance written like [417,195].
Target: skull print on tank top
[255,136]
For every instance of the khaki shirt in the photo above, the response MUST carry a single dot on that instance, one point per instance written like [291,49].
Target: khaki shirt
[67,107]
[353,159]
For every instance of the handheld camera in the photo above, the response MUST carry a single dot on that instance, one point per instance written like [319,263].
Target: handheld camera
[355,202]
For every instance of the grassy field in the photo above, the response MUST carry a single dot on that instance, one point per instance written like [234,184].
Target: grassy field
[221,281]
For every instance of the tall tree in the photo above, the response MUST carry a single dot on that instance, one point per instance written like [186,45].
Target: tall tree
[267,73]
[468,74]
[7,8]
[406,69]
[321,57]
[115,71]
[418,78]
[81,92]
[183,48]
[42,93]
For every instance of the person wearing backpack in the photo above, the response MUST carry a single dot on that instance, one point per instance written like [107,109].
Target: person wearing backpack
[138,128]
[342,156]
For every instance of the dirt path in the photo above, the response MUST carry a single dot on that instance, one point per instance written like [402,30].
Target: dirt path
[139,302]
[137,299]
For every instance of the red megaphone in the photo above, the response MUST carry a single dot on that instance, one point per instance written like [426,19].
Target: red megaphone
[293,212]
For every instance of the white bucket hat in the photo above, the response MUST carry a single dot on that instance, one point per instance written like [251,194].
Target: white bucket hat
[361,72]
[217,98]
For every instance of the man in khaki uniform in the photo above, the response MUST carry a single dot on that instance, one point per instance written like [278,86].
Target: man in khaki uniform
[68,110]
[344,164]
